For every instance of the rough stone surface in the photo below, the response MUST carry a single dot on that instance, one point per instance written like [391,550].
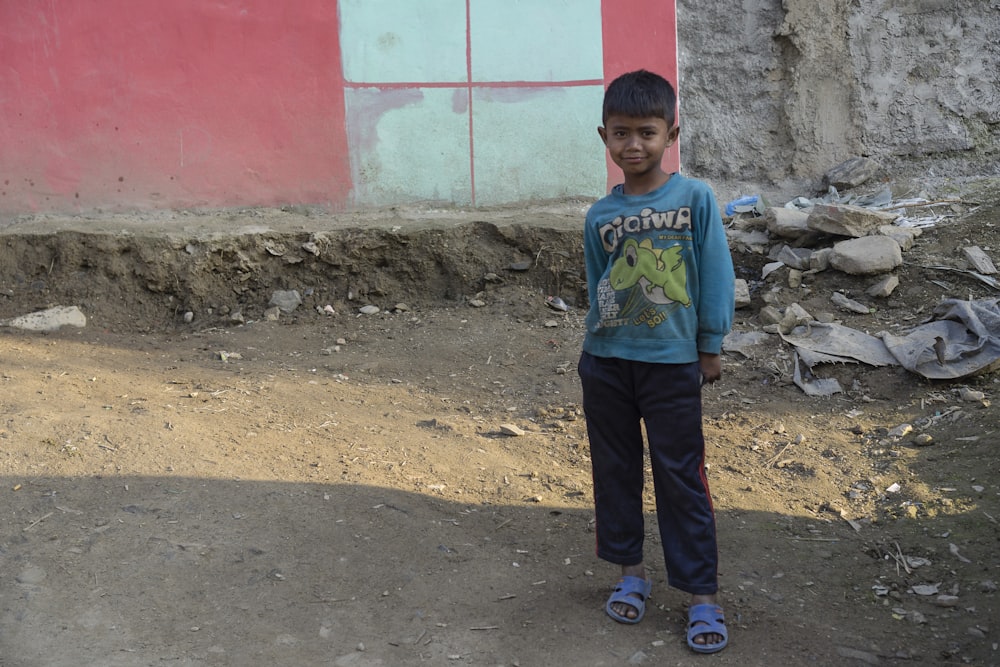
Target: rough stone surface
[911,84]
[866,256]
[846,220]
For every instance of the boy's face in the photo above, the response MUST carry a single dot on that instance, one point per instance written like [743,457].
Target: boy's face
[637,145]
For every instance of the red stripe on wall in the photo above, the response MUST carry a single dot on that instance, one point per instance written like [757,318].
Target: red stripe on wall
[640,34]
[468,75]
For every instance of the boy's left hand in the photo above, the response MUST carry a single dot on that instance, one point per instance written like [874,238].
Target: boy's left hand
[711,367]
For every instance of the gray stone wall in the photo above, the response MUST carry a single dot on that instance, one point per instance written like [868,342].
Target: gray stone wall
[776,92]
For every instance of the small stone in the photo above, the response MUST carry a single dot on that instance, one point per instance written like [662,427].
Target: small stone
[286,300]
[477,303]
[368,310]
[511,429]
[188,317]
[31,575]
[923,440]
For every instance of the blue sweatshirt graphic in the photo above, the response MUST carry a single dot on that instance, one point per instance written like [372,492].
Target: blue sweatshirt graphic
[659,274]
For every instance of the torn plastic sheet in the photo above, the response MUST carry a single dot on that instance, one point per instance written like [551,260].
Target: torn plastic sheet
[963,339]
[813,386]
[747,343]
[834,343]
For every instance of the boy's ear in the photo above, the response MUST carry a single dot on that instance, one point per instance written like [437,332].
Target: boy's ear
[673,134]
[601,130]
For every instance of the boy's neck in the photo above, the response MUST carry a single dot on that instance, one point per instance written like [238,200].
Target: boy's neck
[646,183]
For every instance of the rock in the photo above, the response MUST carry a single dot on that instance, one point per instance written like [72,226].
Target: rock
[286,300]
[866,256]
[742,294]
[272,314]
[769,315]
[368,310]
[755,241]
[849,304]
[847,220]
[795,315]
[789,223]
[311,248]
[31,575]
[979,260]
[50,319]
[511,429]
[851,173]
[904,236]
[796,258]
[820,259]
[884,287]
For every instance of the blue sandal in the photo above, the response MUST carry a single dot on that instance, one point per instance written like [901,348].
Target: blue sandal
[625,592]
[706,619]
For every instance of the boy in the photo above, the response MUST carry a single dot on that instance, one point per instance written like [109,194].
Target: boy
[661,287]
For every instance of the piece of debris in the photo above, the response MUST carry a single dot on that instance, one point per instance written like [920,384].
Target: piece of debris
[556,303]
[511,429]
[980,260]
[50,319]
[286,300]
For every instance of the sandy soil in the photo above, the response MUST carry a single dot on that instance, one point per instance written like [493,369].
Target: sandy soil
[343,489]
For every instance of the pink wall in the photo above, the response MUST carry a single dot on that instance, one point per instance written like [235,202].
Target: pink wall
[641,34]
[141,104]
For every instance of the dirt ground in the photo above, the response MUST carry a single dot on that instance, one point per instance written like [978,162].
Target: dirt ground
[413,486]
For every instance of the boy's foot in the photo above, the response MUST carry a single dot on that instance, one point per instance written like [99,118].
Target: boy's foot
[628,603]
[706,625]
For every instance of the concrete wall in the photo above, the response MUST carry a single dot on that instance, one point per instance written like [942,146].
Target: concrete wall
[778,91]
[111,104]
[132,104]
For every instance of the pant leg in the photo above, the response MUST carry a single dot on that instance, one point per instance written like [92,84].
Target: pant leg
[616,454]
[670,403]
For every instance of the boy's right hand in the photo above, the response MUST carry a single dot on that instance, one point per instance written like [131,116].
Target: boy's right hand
[711,367]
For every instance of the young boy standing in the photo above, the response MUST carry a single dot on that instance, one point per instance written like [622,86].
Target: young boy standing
[661,287]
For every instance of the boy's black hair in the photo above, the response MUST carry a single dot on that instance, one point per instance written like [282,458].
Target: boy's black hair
[640,94]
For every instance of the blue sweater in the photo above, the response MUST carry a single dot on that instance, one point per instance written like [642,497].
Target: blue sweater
[659,274]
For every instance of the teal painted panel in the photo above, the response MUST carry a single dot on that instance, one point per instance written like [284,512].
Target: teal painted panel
[409,145]
[537,143]
[386,41]
[536,40]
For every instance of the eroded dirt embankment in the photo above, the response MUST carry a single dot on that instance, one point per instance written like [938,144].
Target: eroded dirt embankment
[134,274]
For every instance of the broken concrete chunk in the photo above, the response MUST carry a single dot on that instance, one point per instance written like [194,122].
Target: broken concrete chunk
[979,260]
[866,256]
[847,220]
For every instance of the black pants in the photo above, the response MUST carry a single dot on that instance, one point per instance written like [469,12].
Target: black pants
[618,396]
